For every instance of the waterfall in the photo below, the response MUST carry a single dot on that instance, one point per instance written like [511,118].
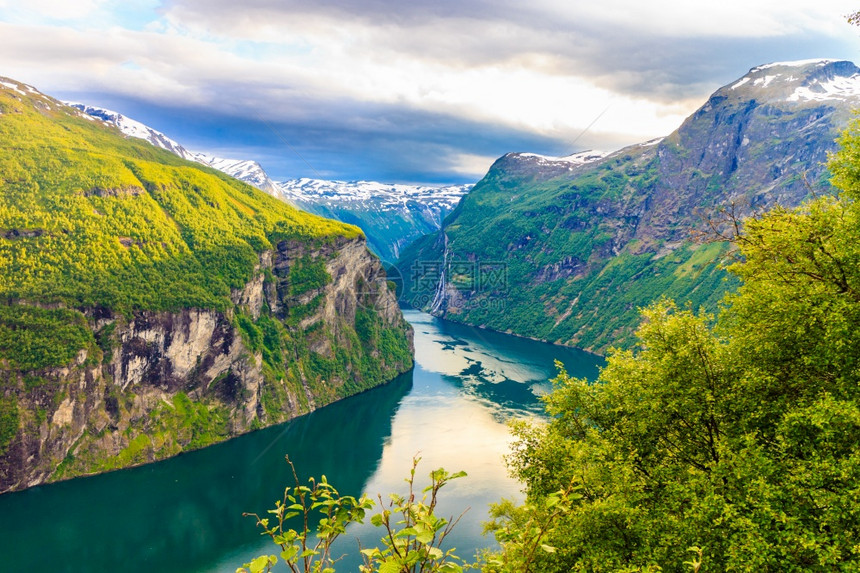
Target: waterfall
[439,296]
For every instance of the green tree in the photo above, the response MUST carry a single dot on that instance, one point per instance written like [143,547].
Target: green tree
[725,445]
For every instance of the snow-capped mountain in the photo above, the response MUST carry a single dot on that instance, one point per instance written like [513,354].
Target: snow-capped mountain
[245,170]
[133,128]
[391,215]
[803,81]
[325,191]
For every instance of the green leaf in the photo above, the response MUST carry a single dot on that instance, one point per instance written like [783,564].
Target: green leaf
[261,563]
[434,552]
[425,537]
[289,554]
[389,567]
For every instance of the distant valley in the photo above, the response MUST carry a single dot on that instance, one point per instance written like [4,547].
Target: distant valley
[392,216]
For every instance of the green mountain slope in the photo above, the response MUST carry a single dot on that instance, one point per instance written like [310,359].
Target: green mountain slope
[90,217]
[567,250]
[151,305]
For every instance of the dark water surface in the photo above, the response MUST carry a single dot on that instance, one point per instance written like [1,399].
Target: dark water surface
[185,514]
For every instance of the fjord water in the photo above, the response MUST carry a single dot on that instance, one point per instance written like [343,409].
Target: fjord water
[185,514]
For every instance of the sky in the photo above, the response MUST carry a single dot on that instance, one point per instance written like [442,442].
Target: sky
[413,92]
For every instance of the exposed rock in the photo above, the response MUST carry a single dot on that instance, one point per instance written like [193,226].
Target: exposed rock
[132,406]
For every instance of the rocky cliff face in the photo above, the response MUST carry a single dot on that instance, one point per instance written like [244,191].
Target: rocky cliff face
[567,249]
[316,323]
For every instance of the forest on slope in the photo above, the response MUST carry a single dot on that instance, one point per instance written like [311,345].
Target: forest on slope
[150,305]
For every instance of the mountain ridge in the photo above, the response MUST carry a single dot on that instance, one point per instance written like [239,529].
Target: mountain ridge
[245,170]
[391,215]
[584,246]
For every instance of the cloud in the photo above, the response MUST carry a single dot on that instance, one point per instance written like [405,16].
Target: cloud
[395,82]
[53,9]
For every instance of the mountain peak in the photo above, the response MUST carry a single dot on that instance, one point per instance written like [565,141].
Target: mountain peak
[799,81]
[133,128]
[245,170]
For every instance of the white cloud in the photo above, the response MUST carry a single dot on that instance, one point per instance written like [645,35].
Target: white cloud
[547,68]
[691,18]
[470,164]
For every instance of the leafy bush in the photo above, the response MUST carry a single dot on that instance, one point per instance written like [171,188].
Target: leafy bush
[411,544]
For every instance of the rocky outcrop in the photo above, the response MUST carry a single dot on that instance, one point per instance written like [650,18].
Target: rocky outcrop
[159,383]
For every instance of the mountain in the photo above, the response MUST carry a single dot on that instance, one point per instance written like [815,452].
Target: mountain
[392,216]
[567,252]
[245,170]
[242,169]
[133,128]
[151,305]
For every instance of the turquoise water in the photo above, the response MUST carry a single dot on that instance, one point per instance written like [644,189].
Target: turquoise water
[185,514]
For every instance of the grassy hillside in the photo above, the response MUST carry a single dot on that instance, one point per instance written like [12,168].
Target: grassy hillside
[150,305]
[88,217]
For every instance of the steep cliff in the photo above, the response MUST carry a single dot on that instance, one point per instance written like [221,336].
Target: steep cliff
[151,306]
[568,249]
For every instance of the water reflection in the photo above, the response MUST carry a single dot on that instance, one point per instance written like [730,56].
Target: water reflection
[180,514]
[184,514]
[507,374]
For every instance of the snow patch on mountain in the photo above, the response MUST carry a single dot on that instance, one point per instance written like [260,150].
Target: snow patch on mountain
[839,87]
[765,81]
[743,80]
[12,86]
[575,159]
[383,195]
